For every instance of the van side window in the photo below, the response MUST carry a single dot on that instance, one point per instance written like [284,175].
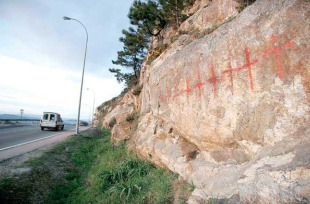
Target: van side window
[45,117]
[52,117]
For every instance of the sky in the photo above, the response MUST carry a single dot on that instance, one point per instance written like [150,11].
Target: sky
[41,55]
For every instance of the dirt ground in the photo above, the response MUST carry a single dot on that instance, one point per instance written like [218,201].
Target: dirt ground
[13,165]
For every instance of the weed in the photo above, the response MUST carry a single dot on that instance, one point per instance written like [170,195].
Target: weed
[125,170]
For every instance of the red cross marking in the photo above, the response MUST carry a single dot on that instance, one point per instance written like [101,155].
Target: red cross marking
[230,70]
[248,65]
[188,89]
[213,79]
[276,50]
[199,83]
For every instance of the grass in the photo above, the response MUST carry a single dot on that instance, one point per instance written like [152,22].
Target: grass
[88,169]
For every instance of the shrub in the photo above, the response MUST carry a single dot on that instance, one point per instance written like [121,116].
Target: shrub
[156,52]
[244,4]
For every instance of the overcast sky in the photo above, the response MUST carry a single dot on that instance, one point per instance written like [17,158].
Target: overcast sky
[41,55]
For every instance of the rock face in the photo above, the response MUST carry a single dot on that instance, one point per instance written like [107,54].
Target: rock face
[119,113]
[229,112]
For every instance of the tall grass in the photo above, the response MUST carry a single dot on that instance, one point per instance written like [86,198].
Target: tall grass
[87,168]
[118,177]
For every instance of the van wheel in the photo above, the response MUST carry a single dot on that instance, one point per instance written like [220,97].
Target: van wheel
[57,128]
[42,128]
[62,128]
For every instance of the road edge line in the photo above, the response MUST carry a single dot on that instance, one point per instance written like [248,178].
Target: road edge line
[36,140]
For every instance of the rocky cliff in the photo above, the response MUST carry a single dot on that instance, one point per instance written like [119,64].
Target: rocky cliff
[226,105]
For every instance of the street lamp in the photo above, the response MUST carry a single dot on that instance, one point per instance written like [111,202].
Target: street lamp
[21,113]
[78,118]
[92,117]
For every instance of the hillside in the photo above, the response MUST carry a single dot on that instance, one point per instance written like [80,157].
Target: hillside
[225,103]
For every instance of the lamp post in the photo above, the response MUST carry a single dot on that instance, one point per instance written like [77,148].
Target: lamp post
[92,117]
[21,113]
[78,118]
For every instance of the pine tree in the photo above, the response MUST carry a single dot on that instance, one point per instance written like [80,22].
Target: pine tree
[132,55]
[148,16]
[172,10]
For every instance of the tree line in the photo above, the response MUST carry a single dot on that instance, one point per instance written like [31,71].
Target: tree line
[147,18]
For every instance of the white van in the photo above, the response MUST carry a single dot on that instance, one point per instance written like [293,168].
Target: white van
[51,120]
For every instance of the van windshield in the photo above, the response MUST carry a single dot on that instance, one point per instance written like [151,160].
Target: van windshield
[59,118]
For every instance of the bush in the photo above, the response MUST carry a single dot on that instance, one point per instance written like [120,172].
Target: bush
[156,52]
[244,4]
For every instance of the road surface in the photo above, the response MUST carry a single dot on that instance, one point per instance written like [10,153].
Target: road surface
[19,139]
[16,134]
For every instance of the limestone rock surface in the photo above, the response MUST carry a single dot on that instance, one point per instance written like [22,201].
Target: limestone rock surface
[119,113]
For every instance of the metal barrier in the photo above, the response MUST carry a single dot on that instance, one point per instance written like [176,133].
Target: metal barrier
[18,120]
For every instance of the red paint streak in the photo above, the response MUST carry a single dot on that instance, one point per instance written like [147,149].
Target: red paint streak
[168,93]
[213,79]
[188,89]
[249,64]
[273,38]
[230,70]
[276,50]
[161,96]
[199,84]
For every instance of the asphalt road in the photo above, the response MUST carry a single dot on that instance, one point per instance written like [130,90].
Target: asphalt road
[11,135]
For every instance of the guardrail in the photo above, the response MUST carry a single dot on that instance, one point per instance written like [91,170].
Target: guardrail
[21,119]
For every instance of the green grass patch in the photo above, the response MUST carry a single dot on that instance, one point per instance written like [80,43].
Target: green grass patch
[87,168]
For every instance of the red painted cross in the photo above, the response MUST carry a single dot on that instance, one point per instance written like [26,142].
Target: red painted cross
[276,50]
[199,84]
[230,70]
[188,89]
[247,66]
[213,79]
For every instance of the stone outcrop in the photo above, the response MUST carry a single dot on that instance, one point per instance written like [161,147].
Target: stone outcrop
[118,114]
[229,112]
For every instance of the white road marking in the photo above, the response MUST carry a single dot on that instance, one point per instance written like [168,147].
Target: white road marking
[34,140]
